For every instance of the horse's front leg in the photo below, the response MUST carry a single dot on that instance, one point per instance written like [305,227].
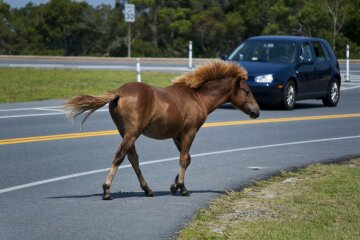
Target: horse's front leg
[174,187]
[183,145]
[179,182]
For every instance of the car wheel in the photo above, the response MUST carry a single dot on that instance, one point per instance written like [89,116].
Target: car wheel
[289,97]
[333,94]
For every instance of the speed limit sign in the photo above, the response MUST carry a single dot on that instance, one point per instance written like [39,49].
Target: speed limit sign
[129,13]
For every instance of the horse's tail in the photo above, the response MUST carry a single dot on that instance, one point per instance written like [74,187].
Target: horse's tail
[82,103]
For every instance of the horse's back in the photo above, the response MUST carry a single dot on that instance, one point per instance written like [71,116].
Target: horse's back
[158,112]
[146,97]
[148,110]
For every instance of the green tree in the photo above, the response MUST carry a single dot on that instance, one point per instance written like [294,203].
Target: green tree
[164,28]
[207,29]
[6,29]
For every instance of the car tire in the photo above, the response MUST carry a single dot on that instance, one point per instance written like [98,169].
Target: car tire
[333,94]
[289,97]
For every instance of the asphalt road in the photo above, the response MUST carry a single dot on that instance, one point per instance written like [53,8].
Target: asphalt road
[51,172]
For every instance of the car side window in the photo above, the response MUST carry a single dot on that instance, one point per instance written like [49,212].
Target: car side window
[306,53]
[320,54]
[326,50]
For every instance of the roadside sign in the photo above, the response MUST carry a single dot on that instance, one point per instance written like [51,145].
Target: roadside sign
[129,13]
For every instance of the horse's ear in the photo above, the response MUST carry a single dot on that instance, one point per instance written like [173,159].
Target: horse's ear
[239,78]
[237,82]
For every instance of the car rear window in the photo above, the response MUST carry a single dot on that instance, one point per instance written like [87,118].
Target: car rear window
[320,53]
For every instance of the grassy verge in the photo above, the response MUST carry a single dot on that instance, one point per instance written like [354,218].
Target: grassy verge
[319,202]
[28,84]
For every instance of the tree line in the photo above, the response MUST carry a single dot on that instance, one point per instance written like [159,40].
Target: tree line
[163,28]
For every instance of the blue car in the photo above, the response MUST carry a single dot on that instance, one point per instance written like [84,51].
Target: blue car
[284,69]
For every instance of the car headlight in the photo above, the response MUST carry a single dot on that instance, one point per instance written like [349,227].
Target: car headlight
[268,78]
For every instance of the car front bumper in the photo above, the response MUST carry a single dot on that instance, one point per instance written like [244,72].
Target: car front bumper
[271,93]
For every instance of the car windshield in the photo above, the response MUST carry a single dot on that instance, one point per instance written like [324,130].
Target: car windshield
[265,51]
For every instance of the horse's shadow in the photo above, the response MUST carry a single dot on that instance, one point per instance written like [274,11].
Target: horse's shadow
[118,195]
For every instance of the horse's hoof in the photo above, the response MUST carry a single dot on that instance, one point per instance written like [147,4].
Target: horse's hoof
[149,193]
[185,193]
[173,189]
[107,197]
[106,192]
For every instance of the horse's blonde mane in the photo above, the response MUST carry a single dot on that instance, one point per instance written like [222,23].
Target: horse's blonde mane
[210,71]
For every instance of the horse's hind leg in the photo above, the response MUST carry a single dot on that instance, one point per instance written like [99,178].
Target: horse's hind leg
[134,160]
[185,160]
[126,144]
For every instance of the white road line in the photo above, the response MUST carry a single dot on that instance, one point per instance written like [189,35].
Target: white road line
[26,109]
[50,180]
[349,88]
[350,83]
[31,115]
[351,71]
[57,112]
[49,109]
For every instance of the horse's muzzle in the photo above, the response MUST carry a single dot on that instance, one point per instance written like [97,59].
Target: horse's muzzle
[254,113]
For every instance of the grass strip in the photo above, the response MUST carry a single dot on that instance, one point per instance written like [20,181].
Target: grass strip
[319,202]
[30,84]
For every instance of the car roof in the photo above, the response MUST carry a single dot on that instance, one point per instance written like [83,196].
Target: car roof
[284,38]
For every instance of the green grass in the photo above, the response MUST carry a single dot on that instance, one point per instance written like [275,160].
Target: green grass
[319,202]
[28,84]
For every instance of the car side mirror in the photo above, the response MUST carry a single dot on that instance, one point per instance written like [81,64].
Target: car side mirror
[224,57]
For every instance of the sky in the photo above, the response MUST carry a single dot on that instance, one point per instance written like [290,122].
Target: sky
[22,3]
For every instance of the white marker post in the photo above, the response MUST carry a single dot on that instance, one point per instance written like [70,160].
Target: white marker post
[190,55]
[347,76]
[138,70]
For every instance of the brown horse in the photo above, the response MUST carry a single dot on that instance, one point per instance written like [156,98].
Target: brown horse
[177,112]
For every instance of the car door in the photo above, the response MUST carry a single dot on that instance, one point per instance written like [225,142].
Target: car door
[305,71]
[322,68]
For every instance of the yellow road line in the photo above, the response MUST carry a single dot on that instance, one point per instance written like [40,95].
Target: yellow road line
[278,120]
[210,124]
[57,137]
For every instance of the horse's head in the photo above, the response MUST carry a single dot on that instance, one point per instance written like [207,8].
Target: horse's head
[243,99]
